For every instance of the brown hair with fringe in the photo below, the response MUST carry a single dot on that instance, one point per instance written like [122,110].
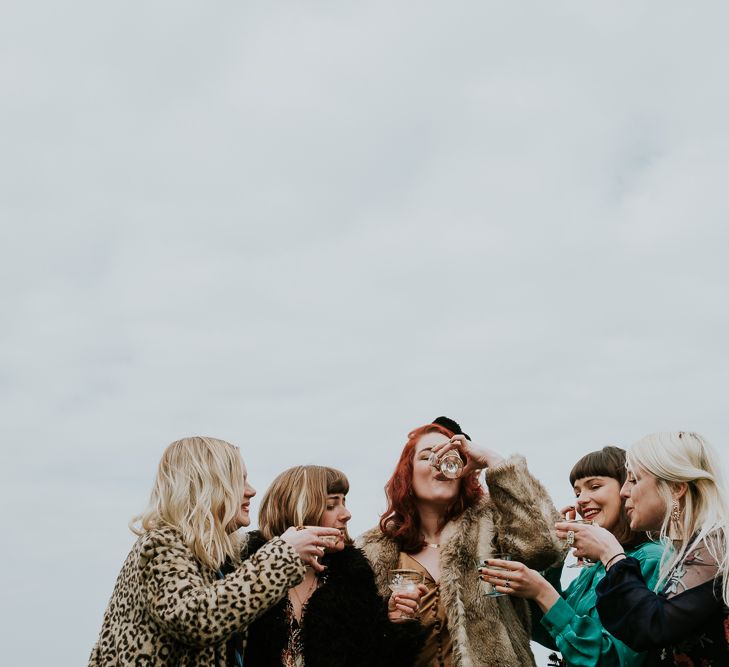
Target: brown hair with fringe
[298,497]
[610,462]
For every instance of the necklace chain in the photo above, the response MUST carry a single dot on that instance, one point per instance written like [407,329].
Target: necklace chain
[432,545]
[307,594]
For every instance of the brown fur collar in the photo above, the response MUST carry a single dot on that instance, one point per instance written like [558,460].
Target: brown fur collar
[486,631]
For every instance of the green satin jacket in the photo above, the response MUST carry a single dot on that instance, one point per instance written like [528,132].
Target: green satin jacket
[572,625]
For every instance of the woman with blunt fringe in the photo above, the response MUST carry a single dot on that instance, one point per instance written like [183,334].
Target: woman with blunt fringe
[172,605]
[676,491]
[442,527]
[334,617]
[568,620]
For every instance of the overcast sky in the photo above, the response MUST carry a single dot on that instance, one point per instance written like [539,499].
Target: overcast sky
[309,227]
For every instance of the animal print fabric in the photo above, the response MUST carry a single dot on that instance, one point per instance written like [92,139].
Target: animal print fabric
[167,609]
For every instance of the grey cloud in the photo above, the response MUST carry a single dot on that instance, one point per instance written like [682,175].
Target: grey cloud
[310,228]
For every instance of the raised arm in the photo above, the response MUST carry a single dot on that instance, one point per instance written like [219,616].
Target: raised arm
[200,613]
[570,622]
[524,514]
[642,619]
[579,633]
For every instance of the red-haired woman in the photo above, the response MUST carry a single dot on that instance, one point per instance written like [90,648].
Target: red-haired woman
[442,527]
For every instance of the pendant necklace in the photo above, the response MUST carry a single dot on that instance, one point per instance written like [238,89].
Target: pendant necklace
[309,590]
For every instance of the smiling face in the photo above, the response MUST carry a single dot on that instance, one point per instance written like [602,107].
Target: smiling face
[243,517]
[645,505]
[598,500]
[336,515]
[429,486]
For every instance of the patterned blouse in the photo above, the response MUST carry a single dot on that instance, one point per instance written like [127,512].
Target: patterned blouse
[293,653]
[686,623]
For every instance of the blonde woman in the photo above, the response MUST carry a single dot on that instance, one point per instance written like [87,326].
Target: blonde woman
[675,490]
[335,617]
[172,605]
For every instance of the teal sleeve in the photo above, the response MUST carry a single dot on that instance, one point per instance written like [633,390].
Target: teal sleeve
[582,640]
[650,564]
[580,637]
[539,633]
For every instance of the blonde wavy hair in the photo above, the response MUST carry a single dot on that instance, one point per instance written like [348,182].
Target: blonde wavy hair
[198,491]
[674,459]
[298,497]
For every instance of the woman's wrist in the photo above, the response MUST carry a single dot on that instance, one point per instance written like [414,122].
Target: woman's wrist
[488,460]
[608,562]
[546,597]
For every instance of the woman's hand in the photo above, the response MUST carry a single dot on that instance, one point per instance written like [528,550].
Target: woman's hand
[308,543]
[589,541]
[404,605]
[568,512]
[476,457]
[515,578]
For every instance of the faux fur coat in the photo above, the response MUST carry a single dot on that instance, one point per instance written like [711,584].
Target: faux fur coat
[345,622]
[517,517]
[168,610]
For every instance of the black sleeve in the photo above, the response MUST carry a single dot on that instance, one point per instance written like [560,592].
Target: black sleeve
[399,643]
[642,619]
[347,623]
[402,641]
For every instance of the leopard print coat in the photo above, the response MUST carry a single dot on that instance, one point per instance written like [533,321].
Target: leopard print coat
[167,609]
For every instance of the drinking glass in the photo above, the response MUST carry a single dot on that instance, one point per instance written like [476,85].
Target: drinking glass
[331,540]
[581,561]
[450,465]
[405,581]
[491,591]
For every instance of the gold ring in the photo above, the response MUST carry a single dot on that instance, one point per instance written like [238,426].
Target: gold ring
[300,527]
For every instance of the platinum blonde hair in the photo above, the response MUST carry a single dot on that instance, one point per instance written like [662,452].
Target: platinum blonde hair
[683,457]
[198,491]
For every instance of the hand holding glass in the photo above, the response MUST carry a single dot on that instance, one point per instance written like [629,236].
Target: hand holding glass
[450,465]
[580,562]
[491,590]
[405,581]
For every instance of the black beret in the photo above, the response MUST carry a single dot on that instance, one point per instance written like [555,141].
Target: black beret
[453,426]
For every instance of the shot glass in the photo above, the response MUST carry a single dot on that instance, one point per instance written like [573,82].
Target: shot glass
[450,465]
[405,581]
[490,590]
[331,540]
[581,561]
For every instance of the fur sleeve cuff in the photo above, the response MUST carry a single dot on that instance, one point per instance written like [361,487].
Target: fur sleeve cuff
[507,471]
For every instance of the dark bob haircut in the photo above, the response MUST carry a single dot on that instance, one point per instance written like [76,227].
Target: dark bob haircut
[609,462]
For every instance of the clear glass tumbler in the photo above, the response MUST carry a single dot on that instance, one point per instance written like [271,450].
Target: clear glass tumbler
[581,562]
[405,581]
[450,465]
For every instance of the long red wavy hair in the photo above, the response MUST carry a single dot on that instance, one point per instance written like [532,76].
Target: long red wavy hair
[401,520]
